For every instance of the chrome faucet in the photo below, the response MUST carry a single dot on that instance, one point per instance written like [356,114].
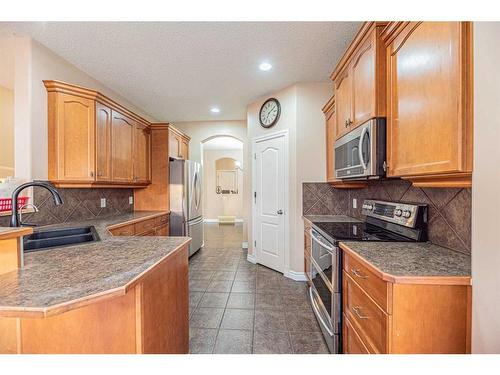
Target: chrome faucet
[14,220]
[35,209]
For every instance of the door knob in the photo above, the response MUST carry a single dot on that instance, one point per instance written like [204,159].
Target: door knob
[280,212]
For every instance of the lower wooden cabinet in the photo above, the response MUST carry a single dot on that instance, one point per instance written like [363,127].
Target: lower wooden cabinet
[408,317]
[158,226]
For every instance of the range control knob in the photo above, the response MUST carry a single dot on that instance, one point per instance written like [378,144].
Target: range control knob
[368,206]
[406,214]
[398,212]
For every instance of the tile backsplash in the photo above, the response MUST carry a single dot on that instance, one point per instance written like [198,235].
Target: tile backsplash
[79,204]
[449,208]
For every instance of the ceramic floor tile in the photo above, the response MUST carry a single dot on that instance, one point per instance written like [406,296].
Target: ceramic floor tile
[308,343]
[206,317]
[241,301]
[202,340]
[243,287]
[237,319]
[271,343]
[269,302]
[219,286]
[194,298]
[269,320]
[233,342]
[301,321]
[214,300]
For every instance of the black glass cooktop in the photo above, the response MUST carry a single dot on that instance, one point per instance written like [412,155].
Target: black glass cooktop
[357,231]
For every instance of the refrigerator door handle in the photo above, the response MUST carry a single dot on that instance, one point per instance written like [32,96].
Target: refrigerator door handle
[196,221]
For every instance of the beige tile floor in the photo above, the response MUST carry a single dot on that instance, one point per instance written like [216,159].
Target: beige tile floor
[240,307]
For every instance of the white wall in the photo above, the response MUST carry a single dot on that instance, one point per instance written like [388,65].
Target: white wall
[485,191]
[215,205]
[301,115]
[200,131]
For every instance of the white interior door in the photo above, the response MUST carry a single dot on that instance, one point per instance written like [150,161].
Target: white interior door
[269,202]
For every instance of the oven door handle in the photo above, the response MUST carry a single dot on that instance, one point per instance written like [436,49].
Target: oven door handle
[317,312]
[329,248]
[360,148]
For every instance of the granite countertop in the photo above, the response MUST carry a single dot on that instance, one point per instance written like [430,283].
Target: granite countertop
[9,232]
[411,259]
[330,218]
[58,277]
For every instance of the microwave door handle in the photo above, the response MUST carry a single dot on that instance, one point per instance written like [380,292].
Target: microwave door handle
[360,148]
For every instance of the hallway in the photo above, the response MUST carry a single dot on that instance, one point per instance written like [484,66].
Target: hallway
[239,307]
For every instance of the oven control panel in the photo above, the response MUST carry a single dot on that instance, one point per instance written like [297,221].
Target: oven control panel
[394,212]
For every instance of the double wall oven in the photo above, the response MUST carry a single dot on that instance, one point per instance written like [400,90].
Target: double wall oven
[325,287]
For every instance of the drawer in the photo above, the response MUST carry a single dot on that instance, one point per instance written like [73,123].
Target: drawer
[366,317]
[151,232]
[368,281]
[144,226]
[162,231]
[161,220]
[126,230]
[351,342]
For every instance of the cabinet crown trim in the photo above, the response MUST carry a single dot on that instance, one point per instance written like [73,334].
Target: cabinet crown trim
[69,88]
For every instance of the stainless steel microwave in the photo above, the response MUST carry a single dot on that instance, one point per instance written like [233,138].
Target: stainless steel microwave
[360,154]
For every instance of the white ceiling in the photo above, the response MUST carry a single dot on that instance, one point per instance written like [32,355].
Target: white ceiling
[177,71]
[223,143]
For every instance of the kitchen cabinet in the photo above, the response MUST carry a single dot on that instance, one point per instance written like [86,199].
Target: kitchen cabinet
[389,314]
[71,138]
[103,142]
[94,141]
[178,144]
[142,153]
[429,115]
[156,226]
[330,136]
[359,80]
[122,136]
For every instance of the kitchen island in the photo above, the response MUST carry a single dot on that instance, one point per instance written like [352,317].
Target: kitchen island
[118,295]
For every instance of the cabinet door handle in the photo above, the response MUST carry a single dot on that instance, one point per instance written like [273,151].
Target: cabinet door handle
[356,273]
[91,174]
[355,310]
[346,123]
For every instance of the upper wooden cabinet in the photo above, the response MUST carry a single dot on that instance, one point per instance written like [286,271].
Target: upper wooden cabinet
[71,136]
[142,163]
[94,141]
[178,144]
[429,112]
[359,80]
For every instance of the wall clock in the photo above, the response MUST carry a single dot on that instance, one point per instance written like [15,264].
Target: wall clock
[269,113]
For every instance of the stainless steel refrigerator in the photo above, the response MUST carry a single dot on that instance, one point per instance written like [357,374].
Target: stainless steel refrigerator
[186,217]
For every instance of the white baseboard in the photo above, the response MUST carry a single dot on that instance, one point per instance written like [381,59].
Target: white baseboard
[251,258]
[217,220]
[297,276]
[244,245]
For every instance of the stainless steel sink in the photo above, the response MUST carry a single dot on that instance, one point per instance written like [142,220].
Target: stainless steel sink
[51,238]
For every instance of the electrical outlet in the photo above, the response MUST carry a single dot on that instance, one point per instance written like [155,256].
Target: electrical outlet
[354,203]
[103,202]
[131,200]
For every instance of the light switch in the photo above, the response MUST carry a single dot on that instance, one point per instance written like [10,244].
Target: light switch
[131,200]
[354,203]
[103,202]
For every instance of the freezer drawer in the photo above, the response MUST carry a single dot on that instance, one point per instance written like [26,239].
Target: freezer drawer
[195,231]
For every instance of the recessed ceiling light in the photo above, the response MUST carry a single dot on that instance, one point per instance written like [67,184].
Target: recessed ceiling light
[215,110]
[265,66]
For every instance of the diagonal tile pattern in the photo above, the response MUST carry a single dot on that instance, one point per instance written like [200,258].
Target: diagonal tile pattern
[240,307]
[449,208]
[79,204]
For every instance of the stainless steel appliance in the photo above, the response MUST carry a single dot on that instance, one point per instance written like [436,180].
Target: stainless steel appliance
[360,154]
[186,217]
[384,221]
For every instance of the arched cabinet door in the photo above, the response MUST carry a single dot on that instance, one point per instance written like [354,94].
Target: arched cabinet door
[122,148]
[71,140]
[142,154]
[429,96]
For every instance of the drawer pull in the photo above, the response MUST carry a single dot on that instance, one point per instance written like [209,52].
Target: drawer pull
[356,273]
[355,310]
